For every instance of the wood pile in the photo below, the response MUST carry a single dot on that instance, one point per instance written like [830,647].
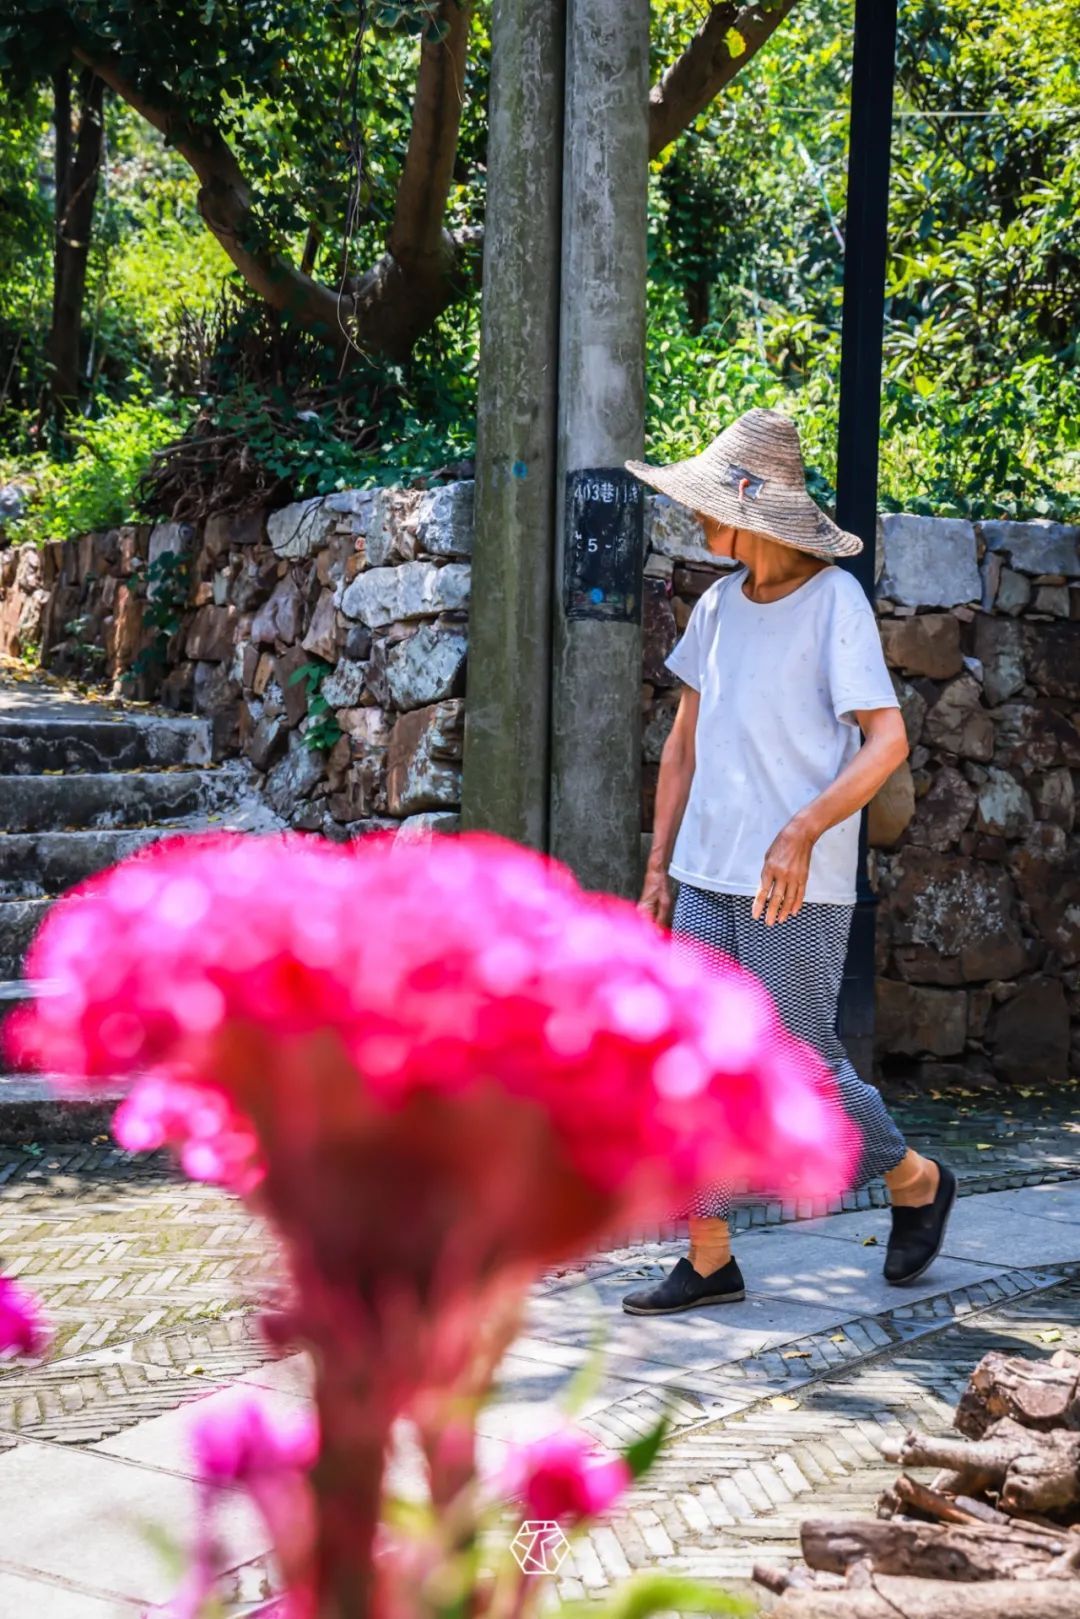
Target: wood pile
[995,1535]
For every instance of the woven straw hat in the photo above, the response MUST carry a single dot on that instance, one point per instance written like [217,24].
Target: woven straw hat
[752,477]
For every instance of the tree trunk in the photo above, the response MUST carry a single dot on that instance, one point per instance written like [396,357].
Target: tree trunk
[889,1597]
[708,64]
[397,300]
[78,168]
[426,267]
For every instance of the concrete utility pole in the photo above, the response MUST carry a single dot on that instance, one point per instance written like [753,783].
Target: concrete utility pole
[507,717]
[596,642]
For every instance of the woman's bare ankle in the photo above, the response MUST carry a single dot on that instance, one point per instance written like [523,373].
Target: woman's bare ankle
[710,1245]
[914,1181]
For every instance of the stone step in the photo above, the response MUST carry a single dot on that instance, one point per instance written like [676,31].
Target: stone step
[119,799]
[36,864]
[31,743]
[34,1108]
[19,921]
[60,856]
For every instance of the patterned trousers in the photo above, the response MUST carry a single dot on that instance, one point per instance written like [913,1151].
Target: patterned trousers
[801,963]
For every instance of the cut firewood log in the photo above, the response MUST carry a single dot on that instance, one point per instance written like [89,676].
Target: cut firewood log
[934,1551]
[779,1580]
[1030,1472]
[908,1496]
[895,1597]
[1037,1394]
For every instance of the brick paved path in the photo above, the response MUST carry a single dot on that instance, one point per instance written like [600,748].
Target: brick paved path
[778,1405]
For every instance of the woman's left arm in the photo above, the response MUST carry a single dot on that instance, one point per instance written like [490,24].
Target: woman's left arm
[787,863]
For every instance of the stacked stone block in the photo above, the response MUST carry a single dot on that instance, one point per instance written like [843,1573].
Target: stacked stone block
[359,600]
[979,935]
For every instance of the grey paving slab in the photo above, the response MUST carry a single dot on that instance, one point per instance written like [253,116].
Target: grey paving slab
[700,1340]
[993,1236]
[80,1516]
[165,1441]
[1061,1202]
[842,1275]
[23,1597]
[993,1229]
[539,1386]
[292,1374]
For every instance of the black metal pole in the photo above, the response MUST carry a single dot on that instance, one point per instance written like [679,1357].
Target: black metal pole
[866,239]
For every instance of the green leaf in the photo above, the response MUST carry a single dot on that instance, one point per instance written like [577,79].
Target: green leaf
[663,1593]
[643,1452]
[307,671]
[735,43]
[588,1377]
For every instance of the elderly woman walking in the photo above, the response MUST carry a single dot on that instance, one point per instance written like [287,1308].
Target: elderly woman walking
[757,808]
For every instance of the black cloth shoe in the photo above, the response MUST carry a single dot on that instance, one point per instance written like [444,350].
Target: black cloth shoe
[918,1233]
[684,1289]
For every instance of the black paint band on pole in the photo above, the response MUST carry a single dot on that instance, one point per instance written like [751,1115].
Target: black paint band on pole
[604,546]
[865,252]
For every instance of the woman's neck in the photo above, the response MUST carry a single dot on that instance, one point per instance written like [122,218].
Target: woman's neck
[774,570]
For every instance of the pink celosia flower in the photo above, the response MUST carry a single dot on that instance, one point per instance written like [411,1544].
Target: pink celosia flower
[562,1478]
[21,1326]
[444,1065]
[238,1443]
[432,971]
[214,1142]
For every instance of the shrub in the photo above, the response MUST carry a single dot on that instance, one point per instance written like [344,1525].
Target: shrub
[98,487]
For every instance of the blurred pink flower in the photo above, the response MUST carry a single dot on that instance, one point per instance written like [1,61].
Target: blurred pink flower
[238,1443]
[431,970]
[213,1141]
[437,1068]
[22,1328]
[563,1478]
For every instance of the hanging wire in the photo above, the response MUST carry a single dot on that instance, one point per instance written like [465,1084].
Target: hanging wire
[904,116]
[358,176]
[759,325]
[815,174]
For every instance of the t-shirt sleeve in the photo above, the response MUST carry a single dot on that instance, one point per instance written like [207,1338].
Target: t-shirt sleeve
[686,657]
[858,675]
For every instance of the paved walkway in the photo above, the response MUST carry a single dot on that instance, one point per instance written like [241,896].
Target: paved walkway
[779,1405]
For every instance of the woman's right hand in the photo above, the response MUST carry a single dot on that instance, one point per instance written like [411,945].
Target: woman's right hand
[657,900]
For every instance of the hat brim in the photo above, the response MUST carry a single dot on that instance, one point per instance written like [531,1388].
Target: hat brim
[795,520]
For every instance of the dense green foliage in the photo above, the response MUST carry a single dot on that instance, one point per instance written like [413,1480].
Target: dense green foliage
[981,398]
[981,385]
[982,391]
[316,106]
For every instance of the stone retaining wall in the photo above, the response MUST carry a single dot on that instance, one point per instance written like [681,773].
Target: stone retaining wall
[351,613]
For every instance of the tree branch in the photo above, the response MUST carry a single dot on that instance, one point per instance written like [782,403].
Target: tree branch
[401,296]
[421,273]
[706,65]
[418,241]
[225,205]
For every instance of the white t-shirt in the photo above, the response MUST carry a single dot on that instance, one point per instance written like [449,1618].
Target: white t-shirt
[780,683]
